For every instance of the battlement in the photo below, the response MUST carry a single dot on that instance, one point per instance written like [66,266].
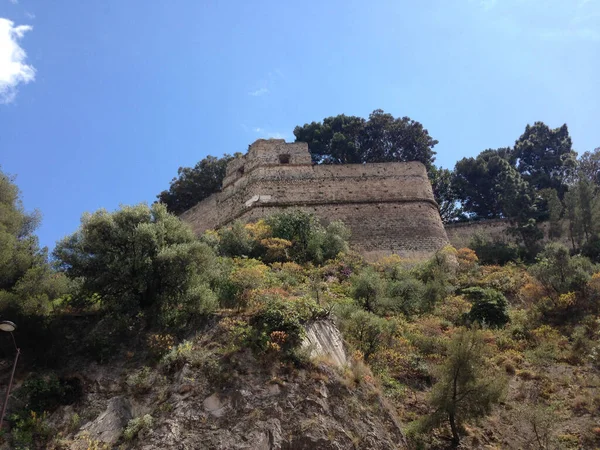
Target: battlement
[389,207]
[267,153]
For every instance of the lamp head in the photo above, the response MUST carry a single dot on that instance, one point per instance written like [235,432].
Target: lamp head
[7,325]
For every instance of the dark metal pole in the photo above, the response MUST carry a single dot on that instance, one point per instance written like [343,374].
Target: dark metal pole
[12,375]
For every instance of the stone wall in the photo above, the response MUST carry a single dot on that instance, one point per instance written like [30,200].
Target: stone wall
[461,234]
[389,207]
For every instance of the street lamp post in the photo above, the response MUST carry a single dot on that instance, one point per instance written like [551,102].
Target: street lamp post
[9,327]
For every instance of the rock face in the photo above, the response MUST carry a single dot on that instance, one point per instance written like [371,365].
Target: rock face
[389,207]
[323,339]
[108,426]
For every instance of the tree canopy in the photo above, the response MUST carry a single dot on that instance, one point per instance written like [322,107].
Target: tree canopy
[27,282]
[345,139]
[138,257]
[194,184]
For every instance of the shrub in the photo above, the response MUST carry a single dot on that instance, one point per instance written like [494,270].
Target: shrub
[30,430]
[310,241]
[559,272]
[137,425]
[406,295]
[467,259]
[141,380]
[495,252]
[235,240]
[489,306]
[135,258]
[367,288]
[286,316]
[365,331]
[466,386]
[42,393]
[246,276]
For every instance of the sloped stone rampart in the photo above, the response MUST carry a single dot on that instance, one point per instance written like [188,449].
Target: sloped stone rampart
[389,207]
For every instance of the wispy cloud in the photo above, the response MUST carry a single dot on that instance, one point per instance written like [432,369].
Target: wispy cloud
[14,2]
[267,83]
[266,133]
[29,15]
[259,92]
[13,70]
[554,20]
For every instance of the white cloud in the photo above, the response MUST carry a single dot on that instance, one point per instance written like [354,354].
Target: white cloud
[29,15]
[270,134]
[13,70]
[14,2]
[259,92]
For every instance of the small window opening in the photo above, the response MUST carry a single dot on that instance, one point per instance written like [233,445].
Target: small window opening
[284,159]
[241,171]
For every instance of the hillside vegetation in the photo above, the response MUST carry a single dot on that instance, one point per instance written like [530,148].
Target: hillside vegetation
[197,342]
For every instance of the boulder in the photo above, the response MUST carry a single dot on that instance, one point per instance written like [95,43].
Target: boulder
[109,425]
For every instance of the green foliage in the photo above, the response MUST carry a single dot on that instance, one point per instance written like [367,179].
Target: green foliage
[582,209]
[466,388]
[44,393]
[290,235]
[281,316]
[137,425]
[236,240]
[139,257]
[366,331]
[545,157]
[589,166]
[310,241]
[494,252]
[194,184]
[489,306]
[407,295]
[559,272]
[28,285]
[382,138]
[367,288]
[444,193]
[30,430]
[488,185]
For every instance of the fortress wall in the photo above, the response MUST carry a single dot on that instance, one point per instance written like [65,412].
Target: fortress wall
[461,234]
[382,228]
[389,207]
[204,216]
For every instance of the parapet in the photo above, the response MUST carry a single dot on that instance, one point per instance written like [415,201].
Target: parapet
[267,153]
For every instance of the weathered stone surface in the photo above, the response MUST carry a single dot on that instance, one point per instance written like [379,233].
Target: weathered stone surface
[389,207]
[324,339]
[108,426]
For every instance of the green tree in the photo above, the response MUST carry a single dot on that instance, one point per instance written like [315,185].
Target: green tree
[489,306]
[555,211]
[366,332]
[466,386]
[367,288]
[544,157]
[589,166]
[444,193]
[559,272]
[139,257]
[488,186]
[194,184]
[28,284]
[352,140]
[582,209]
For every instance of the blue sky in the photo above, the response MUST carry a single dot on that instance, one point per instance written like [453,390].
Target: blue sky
[101,102]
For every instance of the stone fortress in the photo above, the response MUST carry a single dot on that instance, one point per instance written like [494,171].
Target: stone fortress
[389,207]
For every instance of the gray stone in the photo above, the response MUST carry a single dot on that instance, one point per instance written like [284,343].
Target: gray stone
[324,339]
[108,426]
